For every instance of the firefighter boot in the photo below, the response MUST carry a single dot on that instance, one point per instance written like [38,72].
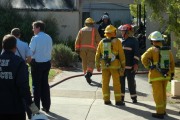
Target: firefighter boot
[120,103]
[107,102]
[159,116]
[88,77]
[134,99]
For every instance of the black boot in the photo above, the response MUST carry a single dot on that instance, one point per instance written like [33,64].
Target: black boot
[120,103]
[134,99]
[159,116]
[88,77]
[107,102]
[122,98]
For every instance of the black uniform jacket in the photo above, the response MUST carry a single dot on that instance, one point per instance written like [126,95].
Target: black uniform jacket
[131,47]
[14,84]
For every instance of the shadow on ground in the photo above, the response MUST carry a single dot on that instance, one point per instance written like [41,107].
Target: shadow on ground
[147,114]
[53,116]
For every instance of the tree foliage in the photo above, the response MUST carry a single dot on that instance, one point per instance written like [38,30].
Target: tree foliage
[167,12]
[12,18]
[171,8]
[160,10]
[133,8]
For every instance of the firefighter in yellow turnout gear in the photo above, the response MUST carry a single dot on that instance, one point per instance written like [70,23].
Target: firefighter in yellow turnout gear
[159,60]
[111,59]
[85,45]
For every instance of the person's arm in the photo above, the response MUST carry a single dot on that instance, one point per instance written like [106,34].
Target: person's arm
[146,58]
[97,37]
[121,55]
[136,55]
[172,65]
[28,54]
[78,41]
[97,57]
[32,45]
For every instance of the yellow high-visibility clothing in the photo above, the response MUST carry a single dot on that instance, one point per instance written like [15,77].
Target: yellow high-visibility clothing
[113,69]
[158,81]
[86,43]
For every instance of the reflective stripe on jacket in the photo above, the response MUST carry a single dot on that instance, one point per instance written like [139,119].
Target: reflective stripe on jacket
[131,46]
[87,38]
[152,55]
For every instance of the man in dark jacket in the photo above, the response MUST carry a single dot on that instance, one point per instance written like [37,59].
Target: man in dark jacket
[105,22]
[14,84]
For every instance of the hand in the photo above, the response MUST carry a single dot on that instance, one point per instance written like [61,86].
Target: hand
[135,67]
[121,72]
[98,69]
[77,51]
[34,109]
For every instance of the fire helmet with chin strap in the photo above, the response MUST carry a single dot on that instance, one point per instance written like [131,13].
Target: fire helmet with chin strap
[156,36]
[89,20]
[126,27]
[110,29]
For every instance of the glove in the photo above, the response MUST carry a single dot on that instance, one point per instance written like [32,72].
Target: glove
[34,109]
[121,72]
[135,67]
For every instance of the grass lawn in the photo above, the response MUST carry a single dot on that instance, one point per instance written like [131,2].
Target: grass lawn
[177,77]
[52,74]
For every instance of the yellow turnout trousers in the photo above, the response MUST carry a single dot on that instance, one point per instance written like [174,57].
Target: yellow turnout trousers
[88,60]
[159,94]
[106,75]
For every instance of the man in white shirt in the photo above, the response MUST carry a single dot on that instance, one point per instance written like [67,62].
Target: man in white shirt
[41,47]
[22,50]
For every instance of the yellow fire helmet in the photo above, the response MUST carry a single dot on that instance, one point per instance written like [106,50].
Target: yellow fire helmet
[89,20]
[156,36]
[110,29]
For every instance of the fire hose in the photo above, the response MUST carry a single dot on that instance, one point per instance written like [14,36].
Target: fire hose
[79,75]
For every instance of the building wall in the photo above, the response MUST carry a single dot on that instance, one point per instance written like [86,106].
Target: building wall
[117,12]
[118,9]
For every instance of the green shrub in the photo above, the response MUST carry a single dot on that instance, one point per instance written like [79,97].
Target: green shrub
[75,57]
[62,56]
[70,42]
[11,18]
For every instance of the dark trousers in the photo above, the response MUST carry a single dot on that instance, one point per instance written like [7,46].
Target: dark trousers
[41,90]
[131,83]
[20,116]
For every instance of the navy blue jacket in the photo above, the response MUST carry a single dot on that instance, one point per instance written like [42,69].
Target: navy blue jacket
[102,28]
[14,84]
[131,47]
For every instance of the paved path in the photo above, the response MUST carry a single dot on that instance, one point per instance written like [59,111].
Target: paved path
[74,99]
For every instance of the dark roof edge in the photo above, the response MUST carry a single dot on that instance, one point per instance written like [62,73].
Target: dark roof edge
[45,10]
